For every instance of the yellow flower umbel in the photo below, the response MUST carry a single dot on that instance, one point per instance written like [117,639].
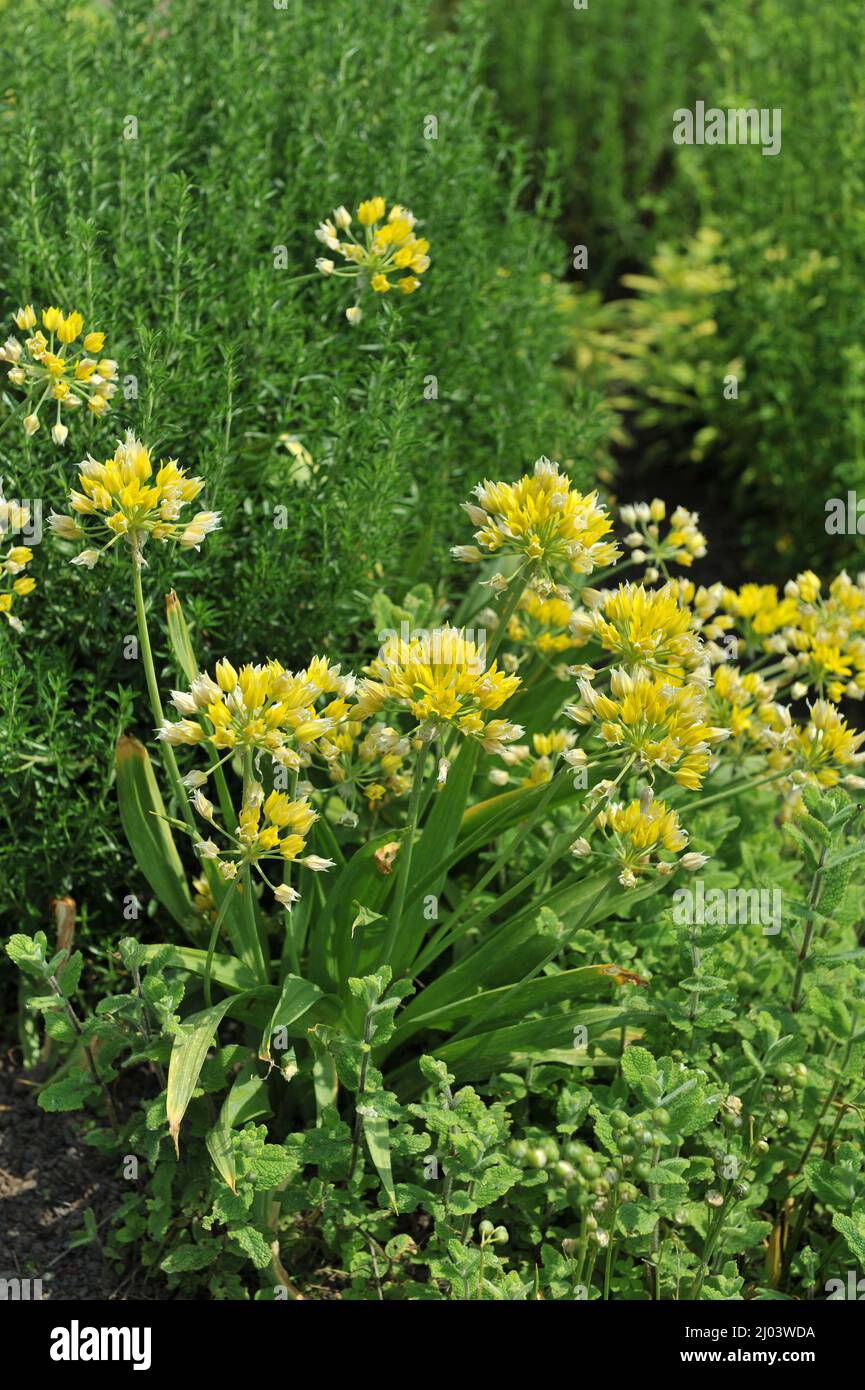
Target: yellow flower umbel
[125,497]
[826,644]
[546,748]
[741,703]
[636,834]
[760,616]
[385,255]
[373,765]
[664,726]
[260,709]
[59,364]
[826,748]
[648,627]
[543,520]
[272,827]
[439,678]
[543,623]
[14,559]
[683,543]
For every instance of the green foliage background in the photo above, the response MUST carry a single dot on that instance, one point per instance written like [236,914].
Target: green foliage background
[599,86]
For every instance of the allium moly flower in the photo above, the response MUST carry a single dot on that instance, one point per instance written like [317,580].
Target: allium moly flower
[383,254]
[272,827]
[125,497]
[544,623]
[742,703]
[543,519]
[546,748]
[58,366]
[826,642]
[636,833]
[15,584]
[826,748]
[261,709]
[665,726]
[683,542]
[760,615]
[648,627]
[439,678]
[371,762]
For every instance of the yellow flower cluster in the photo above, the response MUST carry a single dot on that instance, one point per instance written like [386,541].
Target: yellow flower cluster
[545,623]
[440,678]
[648,628]
[274,826]
[126,499]
[260,709]
[387,247]
[14,583]
[682,544]
[742,703]
[664,726]
[546,748]
[637,832]
[759,614]
[58,368]
[543,520]
[824,750]
[819,637]
[374,764]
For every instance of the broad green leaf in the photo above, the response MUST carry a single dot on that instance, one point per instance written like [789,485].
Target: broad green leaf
[852,1228]
[437,839]
[248,1099]
[507,1049]
[508,950]
[252,1244]
[491,1008]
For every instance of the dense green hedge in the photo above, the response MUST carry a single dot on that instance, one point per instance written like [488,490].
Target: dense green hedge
[600,86]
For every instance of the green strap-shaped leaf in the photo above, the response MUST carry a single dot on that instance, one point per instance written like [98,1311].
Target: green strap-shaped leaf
[191,1045]
[509,1048]
[179,637]
[143,815]
[377,1134]
[227,971]
[221,1150]
[494,1007]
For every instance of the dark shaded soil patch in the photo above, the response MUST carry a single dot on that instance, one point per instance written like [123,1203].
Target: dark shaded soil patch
[48,1178]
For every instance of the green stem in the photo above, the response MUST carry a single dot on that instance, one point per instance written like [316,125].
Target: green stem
[526,881]
[734,789]
[405,858]
[214,935]
[813,903]
[515,592]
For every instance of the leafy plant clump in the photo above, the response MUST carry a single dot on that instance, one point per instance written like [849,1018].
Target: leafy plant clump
[457,1006]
